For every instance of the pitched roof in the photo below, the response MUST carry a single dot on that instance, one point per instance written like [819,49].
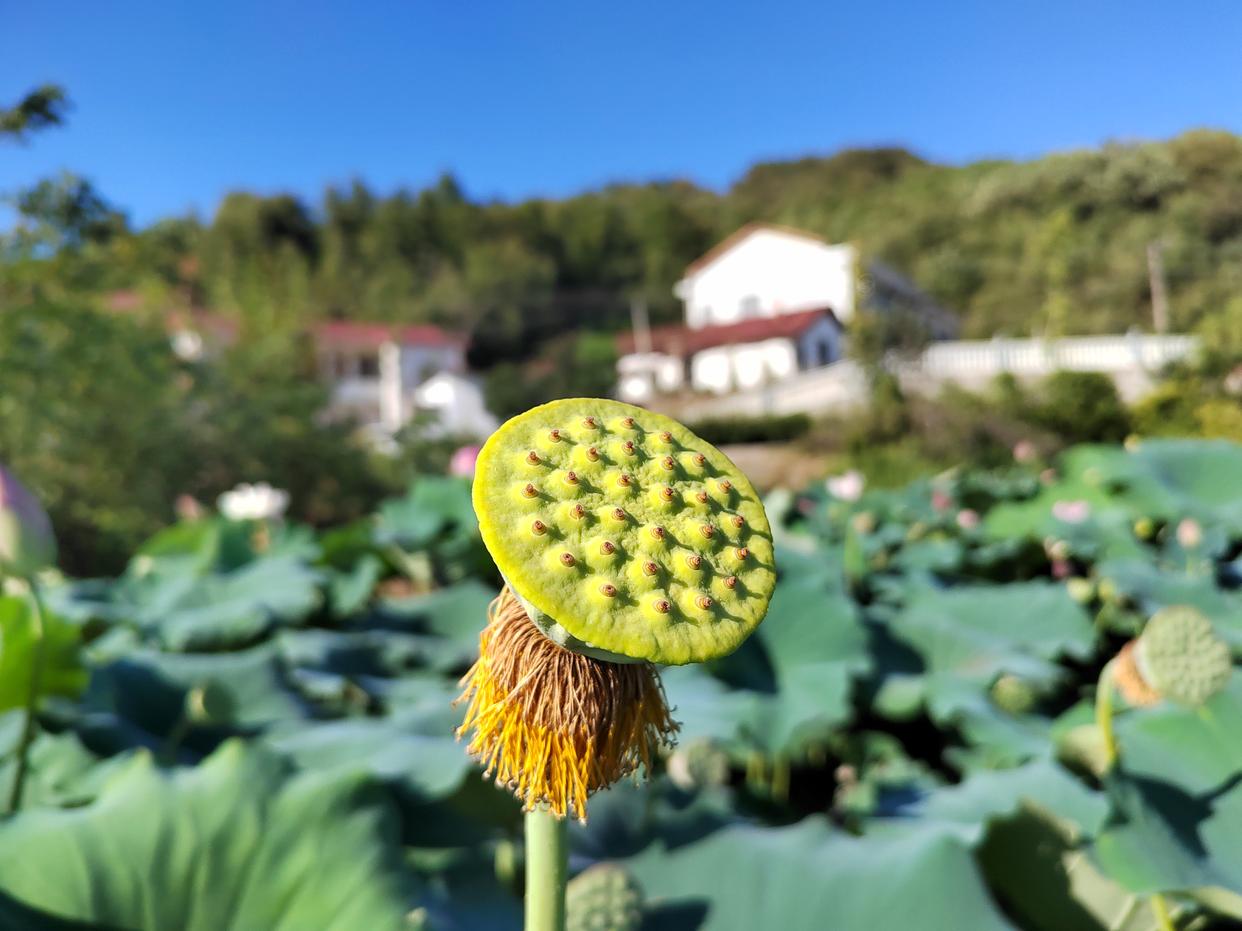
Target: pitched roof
[358,335]
[744,232]
[678,340]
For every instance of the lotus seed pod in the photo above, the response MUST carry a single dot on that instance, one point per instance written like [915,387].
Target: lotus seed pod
[27,543]
[701,763]
[1013,694]
[1080,589]
[1144,528]
[1181,657]
[657,493]
[604,897]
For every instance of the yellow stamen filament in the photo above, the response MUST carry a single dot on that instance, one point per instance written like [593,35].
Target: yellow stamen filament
[552,725]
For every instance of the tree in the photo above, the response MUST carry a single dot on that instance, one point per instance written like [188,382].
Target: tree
[41,108]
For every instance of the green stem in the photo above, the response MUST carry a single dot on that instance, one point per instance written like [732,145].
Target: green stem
[30,721]
[547,869]
[1161,909]
[1104,714]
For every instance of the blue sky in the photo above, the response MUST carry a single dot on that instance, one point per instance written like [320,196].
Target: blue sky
[177,103]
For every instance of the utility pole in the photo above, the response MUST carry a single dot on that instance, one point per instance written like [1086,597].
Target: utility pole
[1159,292]
[640,325]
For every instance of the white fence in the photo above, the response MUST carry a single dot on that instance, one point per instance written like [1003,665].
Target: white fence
[1132,360]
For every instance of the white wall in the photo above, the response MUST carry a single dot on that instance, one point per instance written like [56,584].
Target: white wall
[744,366]
[641,375]
[769,273]
[457,402]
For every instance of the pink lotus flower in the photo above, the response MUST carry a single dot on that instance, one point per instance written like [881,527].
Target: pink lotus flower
[1072,512]
[1189,533]
[941,500]
[462,463]
[27,543]
[1024,451]
[968,518]
[1061,569]
[847,486]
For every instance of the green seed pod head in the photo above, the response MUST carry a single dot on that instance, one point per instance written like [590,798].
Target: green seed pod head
[624,535]
[1181,657]
[1013,694]
[604,897]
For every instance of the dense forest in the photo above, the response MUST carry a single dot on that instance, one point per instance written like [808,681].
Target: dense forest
[1050,246]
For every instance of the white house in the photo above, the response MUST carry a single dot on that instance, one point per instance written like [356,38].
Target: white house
[382,374]
[456,401]
[764,304]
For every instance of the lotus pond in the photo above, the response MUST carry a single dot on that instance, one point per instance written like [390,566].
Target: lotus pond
[252,727]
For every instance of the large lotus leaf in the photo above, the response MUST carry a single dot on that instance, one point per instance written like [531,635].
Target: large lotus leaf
[237,842]
[810,876]
[989,795]
[433,506]
[1161,838]
[1153,588]
[1027,826]
[147,691]
[800,665]
[350,591]
[707,709]
[61,770]
[458,613]
[230,609]
[1190,477]
[1105,530]
[968,636]
[397,748]
[62,669]
[1198,749]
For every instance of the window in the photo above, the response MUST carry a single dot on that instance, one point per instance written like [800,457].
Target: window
[368,366]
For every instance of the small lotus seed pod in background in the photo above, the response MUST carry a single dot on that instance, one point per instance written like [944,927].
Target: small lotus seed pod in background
[27,543]
[1014,694]
[1144,528]
[968,518]
[1080,589]
[1182,657]
[603,897]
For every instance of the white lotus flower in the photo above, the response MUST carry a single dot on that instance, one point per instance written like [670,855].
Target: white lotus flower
[254,502]
[847,486]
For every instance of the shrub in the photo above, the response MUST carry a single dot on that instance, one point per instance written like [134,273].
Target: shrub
[767,429]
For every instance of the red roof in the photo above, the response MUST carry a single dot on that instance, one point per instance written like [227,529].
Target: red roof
[372,335]
[680,340]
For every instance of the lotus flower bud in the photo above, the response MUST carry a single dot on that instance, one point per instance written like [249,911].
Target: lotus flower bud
[27,543]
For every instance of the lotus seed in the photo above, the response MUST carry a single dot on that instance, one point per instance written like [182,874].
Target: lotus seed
[539,528]
[571,478]
[589,423]
[707,530]
[725,485]
[657,532]
[668,463]
[731,582]
[701,496]
[700,459]
[624,480]
[627,422]
[567,559]
[667,493]
[662,606]
[608,590]
[607,548]
[618,513]
[532,457]
[554,436]
[628,446]
[593,454]
[577,512]
[530,491]
[694,561]
[703,602]
[666,437]
[650,568]
[739,521]
[741,553]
